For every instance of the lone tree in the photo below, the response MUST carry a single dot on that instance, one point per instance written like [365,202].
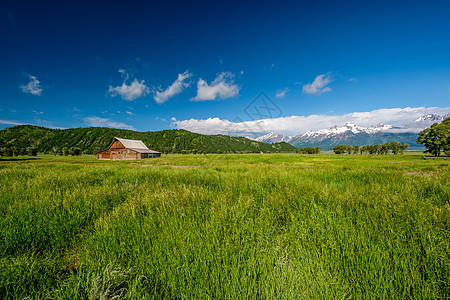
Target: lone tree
[436,138]
[75,151]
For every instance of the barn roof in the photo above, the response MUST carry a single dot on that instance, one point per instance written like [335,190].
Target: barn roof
[132,144]
[136,145]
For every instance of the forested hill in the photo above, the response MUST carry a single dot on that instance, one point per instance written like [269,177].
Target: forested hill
[93,139]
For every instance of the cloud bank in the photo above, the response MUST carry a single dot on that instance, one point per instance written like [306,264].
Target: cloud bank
[174,89]
[104,122]
[33,87]
[319,85]
[295,125]
[221,88]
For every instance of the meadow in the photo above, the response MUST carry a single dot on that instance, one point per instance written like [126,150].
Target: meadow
[256,226]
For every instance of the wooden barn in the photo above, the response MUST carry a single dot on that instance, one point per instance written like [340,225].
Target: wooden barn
[122,149]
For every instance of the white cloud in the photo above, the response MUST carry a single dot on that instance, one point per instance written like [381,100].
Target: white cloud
[33,87]
[353,79]
[104,122]
[282,93]
[319,85]
[9,122]
[221,88]
[136,89]
[130,92]
[174,89]
[36,122]
[130,113]
[295,125]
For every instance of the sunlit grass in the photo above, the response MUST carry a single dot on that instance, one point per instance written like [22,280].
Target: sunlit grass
[225,226]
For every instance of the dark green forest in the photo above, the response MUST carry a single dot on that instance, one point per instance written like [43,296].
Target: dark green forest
[93,139]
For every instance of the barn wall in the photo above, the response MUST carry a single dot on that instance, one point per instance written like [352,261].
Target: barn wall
[124,154]
[106,154]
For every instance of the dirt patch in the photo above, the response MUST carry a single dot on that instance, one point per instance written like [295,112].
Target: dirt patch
[416,173]
[186,167]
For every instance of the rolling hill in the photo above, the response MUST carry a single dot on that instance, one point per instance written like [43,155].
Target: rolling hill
[93,139]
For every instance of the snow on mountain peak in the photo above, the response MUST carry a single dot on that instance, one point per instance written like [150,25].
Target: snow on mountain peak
[425,121]
[274,137]
[348,127]
[429,117]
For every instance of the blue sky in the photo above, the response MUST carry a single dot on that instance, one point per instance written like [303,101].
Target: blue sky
[158,65]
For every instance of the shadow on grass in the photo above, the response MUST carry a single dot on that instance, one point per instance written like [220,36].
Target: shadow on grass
[17,159]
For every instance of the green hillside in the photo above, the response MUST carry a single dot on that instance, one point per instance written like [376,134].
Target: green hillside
[93,139]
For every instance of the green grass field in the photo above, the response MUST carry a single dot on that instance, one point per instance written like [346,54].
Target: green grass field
[272,226]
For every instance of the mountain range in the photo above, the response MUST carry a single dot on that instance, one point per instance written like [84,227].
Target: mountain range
[354,134]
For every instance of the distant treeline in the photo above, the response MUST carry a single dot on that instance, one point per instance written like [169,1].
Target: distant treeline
[32,151]
[308,150]
[379,149]
[16,151]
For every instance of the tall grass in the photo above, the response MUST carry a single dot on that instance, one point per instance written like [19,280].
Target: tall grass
[238,227]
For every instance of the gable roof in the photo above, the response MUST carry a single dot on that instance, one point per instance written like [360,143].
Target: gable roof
[132,144]
[136,145]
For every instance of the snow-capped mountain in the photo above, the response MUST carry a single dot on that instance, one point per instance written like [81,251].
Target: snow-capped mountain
[426,121]
[340,130]
[274,137]
[322,134]
[354,134]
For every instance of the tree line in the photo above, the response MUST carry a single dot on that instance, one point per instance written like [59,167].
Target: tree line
[32,151]
[308,150]
[16,151]
[379,149]
[74,151]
